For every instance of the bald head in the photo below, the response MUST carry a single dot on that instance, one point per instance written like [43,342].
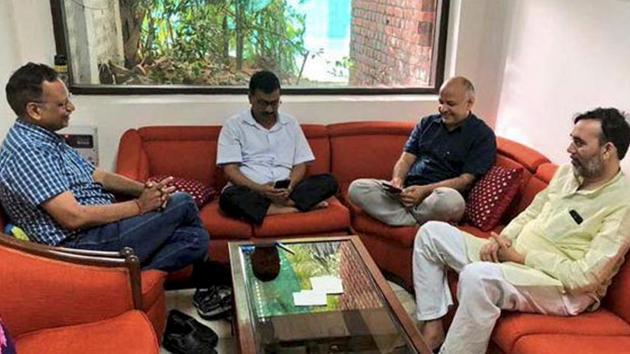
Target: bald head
[457,96]
[462,83]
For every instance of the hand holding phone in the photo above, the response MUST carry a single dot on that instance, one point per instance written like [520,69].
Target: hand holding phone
[389,188]
[282,184]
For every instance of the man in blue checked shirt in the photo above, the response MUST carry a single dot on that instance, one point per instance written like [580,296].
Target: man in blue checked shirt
[60,199]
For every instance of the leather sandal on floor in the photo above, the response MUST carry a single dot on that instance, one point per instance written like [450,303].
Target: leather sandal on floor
[186,344]
[180,323]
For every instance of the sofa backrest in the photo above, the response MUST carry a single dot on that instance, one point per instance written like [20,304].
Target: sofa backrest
[317,136]
[366,149]
[513,155]
[184,151]
[191,152]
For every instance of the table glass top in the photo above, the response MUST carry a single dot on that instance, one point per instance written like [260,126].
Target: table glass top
[356,320]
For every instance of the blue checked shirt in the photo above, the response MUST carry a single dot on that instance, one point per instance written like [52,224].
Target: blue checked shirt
[35,166]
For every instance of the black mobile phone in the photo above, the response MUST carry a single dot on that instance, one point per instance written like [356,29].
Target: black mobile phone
[391,188]
[282,184]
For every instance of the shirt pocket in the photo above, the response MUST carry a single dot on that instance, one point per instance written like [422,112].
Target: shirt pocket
[561,225]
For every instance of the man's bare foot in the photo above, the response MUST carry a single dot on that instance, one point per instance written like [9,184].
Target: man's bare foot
[432,332]
[321,205]
[281,209]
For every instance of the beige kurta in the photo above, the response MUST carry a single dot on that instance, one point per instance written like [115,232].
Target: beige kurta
[560,252]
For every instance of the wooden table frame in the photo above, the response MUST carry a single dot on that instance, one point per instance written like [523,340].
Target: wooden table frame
[243,323]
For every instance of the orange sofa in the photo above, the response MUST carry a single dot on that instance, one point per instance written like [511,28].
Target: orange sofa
[53,301]
[370,149]
[152,296]
[190,152]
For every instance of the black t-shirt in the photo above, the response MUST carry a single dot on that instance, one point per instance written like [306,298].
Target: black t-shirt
[469,148]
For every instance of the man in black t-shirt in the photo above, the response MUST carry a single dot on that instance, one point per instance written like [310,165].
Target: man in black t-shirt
[442,158]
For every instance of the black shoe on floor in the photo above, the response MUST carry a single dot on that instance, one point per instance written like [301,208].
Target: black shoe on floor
[181,324]
[179,343]
[214,302]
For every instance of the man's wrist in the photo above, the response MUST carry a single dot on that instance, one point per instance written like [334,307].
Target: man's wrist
[140,211]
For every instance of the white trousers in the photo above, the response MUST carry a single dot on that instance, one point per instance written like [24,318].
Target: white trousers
[482,290]
[443,204]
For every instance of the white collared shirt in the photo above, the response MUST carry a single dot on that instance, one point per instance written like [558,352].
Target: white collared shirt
[264,155]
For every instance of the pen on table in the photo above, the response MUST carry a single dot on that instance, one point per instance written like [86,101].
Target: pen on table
[281,245]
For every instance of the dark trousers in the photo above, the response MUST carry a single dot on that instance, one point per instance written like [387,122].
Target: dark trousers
[244,203]
[167,240]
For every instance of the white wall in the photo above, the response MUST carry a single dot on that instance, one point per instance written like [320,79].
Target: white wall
[26,34]
[536,63]
[564,57]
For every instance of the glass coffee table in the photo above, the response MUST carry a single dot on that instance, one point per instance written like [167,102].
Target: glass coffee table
[366,317]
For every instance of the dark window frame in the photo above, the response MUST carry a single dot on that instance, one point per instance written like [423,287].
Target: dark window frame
[61,35]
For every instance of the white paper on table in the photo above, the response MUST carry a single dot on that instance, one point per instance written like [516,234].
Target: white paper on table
[327,284]
[309,298]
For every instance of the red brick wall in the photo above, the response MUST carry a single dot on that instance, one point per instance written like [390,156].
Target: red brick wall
[391,42]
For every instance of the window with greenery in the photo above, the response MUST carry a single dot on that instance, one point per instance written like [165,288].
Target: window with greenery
[314,46]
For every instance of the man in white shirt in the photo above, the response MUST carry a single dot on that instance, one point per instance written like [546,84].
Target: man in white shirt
[264,154]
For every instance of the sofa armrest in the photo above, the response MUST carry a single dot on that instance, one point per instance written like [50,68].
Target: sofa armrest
[132,160]
[44,287]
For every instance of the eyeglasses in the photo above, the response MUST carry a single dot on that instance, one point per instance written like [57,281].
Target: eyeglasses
[66,104]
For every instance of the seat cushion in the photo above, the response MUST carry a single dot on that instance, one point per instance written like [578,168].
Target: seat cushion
[130,332]
[513,326]
[334,218]
[365,224]
[221,226]
[572,344]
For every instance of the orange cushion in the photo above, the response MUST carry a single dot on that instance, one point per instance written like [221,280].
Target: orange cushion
[513,326]
[572,344]
[334,218]
[221,226]
[491,196]
[130,332]
[365,224]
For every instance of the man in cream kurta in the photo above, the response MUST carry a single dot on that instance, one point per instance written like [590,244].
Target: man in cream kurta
[557,257]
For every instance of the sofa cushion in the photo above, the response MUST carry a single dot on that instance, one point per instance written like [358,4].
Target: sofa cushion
[200,193]
[491,196]
[334,218]
[513,326]
[186,151]
[129,332]
[221,226]
[572,344]
[525,156]
[365,224]
[366,149]
[317,137]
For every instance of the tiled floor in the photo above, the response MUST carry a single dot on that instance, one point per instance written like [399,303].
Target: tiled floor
[182,300]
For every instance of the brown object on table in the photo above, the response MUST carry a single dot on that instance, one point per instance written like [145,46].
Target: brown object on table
[266,262]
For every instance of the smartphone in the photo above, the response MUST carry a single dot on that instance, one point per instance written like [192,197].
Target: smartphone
[282,184]
[391,188]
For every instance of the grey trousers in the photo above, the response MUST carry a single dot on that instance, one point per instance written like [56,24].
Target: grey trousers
[444,204]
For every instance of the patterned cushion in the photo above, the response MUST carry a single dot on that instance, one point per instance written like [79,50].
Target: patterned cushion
[6,345]
[200,193]
[491,196]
